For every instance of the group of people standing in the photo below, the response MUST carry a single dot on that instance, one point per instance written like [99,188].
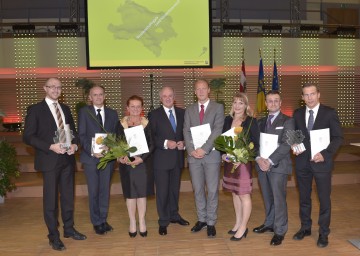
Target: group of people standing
[168,135]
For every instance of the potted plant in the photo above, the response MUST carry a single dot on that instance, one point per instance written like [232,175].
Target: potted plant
[85,84]
[9,167]
[216,85]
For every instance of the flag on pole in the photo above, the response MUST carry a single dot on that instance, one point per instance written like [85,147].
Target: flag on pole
[260,99]
[243,78]
[275,81]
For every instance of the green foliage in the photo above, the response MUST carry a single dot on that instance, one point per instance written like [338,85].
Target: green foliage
[118,147]
[216,85]
[85,84]
[9,167]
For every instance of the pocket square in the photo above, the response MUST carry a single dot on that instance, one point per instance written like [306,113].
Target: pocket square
[279,128]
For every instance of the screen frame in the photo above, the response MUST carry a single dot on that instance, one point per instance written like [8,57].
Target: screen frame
[210,65]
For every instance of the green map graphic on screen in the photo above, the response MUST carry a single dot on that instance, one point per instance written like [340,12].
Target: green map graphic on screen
[142,33]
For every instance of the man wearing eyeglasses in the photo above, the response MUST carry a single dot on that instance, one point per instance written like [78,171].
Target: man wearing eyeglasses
[44,124]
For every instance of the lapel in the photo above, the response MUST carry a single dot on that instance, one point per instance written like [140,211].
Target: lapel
[317,120]
[48,114]
[208,112]
[263,124]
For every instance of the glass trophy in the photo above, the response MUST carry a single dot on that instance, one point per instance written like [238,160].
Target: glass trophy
[295,139]
[64,137]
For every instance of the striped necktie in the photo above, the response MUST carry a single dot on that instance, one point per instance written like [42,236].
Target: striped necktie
[62,138]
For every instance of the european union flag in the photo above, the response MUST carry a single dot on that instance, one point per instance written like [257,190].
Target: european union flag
[275,81]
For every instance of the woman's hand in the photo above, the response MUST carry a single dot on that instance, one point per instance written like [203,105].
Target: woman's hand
[225,158]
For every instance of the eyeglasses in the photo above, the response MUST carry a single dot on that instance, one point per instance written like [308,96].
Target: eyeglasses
[53,87]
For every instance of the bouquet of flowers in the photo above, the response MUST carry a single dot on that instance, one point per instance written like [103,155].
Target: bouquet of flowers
[118,147]
[239,148]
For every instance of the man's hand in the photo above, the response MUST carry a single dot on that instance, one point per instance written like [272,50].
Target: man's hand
[180,145]
[137,161]
[72,149]
[263,163]
[57,148]
[171,144]
[295,152]
[318,157]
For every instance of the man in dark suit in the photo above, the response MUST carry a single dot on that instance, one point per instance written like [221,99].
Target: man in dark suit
[273,171]
[97,119]
[167,127]
[56,163]
[204,162]
[315,116]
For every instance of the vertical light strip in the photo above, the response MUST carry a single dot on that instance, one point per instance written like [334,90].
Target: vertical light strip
[154,77]
[67,59]
[233,49]
[110,79]
[25,63]
[310,58]
[190,76]
[346,79]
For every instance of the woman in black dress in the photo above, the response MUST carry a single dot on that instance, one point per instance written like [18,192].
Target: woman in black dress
[239,183]
[136,173]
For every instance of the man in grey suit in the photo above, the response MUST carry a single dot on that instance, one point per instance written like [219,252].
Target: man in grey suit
[204,162]
[97,119]
[273,171]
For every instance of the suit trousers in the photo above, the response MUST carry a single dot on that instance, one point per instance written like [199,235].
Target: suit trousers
[98,183]
[205,178]
[323,187]
[167,194]
[273,188]
[59,180]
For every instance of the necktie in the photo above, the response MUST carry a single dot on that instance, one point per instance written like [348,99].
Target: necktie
[268,122]
[311,120]
[99,117]
[202,113]
[60,123]
[172,120]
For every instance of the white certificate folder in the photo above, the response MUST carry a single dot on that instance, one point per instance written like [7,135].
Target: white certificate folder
[268,144]
[135,137]
[200,134]
[320,140]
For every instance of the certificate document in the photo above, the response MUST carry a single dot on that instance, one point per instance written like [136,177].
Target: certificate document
[135,137]
[200,134]
[230,132]
[97,142]
[319,139]
[268,144]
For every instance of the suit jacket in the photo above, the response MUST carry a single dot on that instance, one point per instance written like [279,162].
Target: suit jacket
[88,126]
[165,159]
[214,115]
[281,156]
[326,118]
[39,132]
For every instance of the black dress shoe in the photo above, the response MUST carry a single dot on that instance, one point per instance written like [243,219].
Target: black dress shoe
[75,235]
[132,234]
[57,245]
[198,226]
[181,221]
[276,240]
[263,229]
[107,227]
[162,230]
[211,231]
[301,234]
[232,232]
[323,241]
[100,229]
[233,238]
[143,234]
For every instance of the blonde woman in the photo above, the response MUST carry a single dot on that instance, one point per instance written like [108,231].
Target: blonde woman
[239,182]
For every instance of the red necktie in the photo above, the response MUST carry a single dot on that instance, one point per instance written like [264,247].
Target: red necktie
[201,114]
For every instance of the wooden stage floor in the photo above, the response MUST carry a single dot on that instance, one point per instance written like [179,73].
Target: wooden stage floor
[23,231]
